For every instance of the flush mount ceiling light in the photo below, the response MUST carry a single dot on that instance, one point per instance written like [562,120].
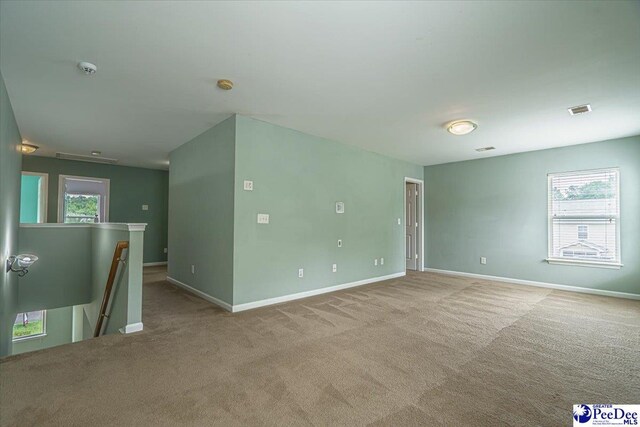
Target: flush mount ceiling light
[579,109]
[225,84]
[461,127]
[87,67]
[26,148]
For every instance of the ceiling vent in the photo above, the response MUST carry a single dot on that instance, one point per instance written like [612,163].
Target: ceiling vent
[485,149]
[580,109]
[81,158]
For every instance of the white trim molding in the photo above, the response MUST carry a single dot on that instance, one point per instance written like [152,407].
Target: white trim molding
[569,288]
[131,328]
[284,298]
[201,294]
[154,264]
[306,294]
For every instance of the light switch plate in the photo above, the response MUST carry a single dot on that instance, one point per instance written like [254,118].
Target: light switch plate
[399,221]
[248,185]
[339,243]
[381,261]
[263,218]
[145,207]
[375,261]
[166,250]
[340,207]
[301,273]
[335,268]
[483,260]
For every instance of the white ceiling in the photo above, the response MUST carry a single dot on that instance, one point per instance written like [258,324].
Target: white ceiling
[382,76]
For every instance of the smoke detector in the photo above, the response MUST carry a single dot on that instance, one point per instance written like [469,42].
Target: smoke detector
[87,67]
[579,109]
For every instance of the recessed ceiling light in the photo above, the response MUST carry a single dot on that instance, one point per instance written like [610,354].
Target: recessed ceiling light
[579,109]
[225,84]
[87,67]
[96,153]
[26,148]
[461,127]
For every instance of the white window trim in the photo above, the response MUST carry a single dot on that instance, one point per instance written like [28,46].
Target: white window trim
[31,337]
[575,262]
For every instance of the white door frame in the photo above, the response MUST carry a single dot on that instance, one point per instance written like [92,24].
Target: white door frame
[420,216]
[43,194]
[61,192]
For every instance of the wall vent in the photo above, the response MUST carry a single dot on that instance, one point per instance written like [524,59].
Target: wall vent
[579,109]
[81,158]
[485,149]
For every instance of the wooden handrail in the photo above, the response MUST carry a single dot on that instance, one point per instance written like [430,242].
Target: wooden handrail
[117,257]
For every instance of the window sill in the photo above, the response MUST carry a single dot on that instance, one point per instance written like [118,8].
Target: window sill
[585,263]
[30,337]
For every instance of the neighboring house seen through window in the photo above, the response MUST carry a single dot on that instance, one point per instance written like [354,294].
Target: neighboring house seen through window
[584,217]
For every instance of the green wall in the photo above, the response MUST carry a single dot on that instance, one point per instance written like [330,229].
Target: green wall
[297,180]
[201,182]
[58,332]
[130,188]
[10,165]
[59,277]
[29,199]
[497,207]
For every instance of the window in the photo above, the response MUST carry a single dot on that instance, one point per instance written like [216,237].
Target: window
[583,232]
[30,324]
[584,218]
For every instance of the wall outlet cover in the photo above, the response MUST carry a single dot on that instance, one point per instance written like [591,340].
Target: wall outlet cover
[248,186]
[193,269]
[483,260]
[301,272]
[263,218]
[381,261]
[375,261]
[166,250]
[335,267]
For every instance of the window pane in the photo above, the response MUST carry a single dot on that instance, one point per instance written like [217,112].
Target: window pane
[584,209]
[29,324]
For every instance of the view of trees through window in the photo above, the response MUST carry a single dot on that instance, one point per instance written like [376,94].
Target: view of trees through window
[586,191]
[82,207]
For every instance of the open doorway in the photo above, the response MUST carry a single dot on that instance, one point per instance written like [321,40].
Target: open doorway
[413,222]
[83,199]
[33,197]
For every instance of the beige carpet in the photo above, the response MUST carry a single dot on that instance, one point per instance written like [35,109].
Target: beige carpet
[422,350]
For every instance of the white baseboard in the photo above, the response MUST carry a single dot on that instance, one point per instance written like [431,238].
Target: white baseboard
[569,288]
[131,328]
[153,264]
[284,298]
[299,295]
[201,294]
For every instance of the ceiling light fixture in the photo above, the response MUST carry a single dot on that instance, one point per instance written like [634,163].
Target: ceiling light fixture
[225,84]
[88,68]
[26,148]
[461,127]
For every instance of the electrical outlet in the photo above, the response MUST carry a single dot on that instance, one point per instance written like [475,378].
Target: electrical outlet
[483,260]
[263,218]
[381,261]
[375,261]
[166,250]
[248,186]
[339,243]
[335,268]
[301,272]
[193,269]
